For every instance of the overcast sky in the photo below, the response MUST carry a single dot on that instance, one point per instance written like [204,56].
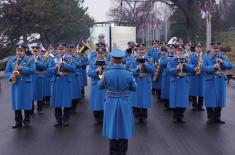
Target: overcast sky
[98,9]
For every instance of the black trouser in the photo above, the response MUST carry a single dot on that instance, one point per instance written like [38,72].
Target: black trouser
[74,105]
[98,114]
[83,91]
[118,147]
[140,113]
[62,116]
[178,113]
[214,113]
[158,92]
[39,106]
[47,99]
[197,101]
[166,103]
[19,117]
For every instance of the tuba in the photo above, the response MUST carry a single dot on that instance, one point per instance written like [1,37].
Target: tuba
[172,40]
[84,48]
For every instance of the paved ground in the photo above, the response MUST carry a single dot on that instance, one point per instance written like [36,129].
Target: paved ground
[159,137]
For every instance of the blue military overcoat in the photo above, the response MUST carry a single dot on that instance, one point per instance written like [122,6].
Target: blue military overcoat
[179,86]
[118,116]
[61,84]
[22,91]
[142,98]
[38,79]
[165,78]
[215,83]
[197,81]
[97,96]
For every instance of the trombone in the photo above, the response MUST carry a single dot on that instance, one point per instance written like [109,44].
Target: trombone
[83,49]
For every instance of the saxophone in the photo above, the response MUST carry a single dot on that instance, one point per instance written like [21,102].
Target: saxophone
[157,71]
[16,72]
[199,64]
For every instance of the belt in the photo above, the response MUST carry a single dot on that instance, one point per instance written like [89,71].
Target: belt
[143,75]
[118,92]
[40,72]
[217,72]
[64,73]
[181,75]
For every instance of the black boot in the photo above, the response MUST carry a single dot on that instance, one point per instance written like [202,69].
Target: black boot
[194,104]
[66,116]
[200,104]
[26,121]
[58,116]
[40,107]
[123,146]
[18,119]
[218,115]
[210,115]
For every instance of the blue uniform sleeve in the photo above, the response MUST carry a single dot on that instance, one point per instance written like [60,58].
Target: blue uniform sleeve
[92,71]
[30,69]
[70,67]
[227,65]
[133,84]
[9,69]
[41,65]
[163,63]
[189,67]
[51,67]
[149,68]
[206,67]
[171,68]
[78,63]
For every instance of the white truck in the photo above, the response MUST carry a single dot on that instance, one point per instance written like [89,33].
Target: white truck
[116,37]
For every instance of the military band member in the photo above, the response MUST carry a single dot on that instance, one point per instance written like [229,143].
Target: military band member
[76,77]
[101,37]
[118,124]
[188,47]
[61,67]
[179,41]
[19,70]
[159,64]
[129,52]
[155,53]
[93,53]
[47,76]
[197,79]
[28,52]
[159,69]
[38,79]
[97,96]
[166,76]
[179,83]
[84,64]
[215,64]
[142,70]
